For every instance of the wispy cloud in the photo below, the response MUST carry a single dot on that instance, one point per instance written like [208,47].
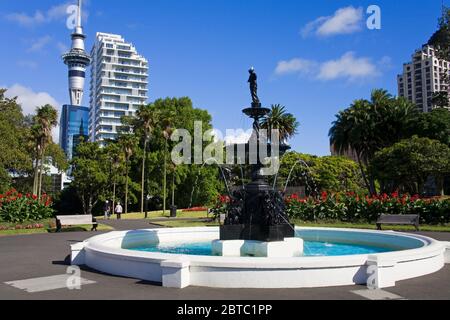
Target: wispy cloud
[295,65]
[348,66]
[27,64]
[344,21]
[39,44]
[29,100]
[62,47]
[39,17]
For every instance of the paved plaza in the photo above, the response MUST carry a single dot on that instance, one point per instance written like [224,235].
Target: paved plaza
[35,266]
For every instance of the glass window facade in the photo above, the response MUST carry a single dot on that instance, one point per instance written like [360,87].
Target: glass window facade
[74,125]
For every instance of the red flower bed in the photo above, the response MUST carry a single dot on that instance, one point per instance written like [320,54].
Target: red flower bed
[18,208]
[195,209]
[351,207]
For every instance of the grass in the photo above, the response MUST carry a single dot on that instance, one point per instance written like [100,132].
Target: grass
[48,228]
[159,215]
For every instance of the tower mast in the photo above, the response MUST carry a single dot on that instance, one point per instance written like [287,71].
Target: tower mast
[77,60]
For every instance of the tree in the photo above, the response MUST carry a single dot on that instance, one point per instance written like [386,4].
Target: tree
[440,99]
[44,121]
[167,123]
[147,119]
[369,126]
[128,144]
[332,174]
[408,164]
[90,173]
[441,38]
[279,119]
[14,156]
[434,125]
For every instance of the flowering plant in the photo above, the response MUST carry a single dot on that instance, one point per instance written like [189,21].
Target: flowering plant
[351,207]
[16,207]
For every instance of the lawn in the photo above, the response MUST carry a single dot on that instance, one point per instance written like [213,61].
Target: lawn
[160,215]
[48,227]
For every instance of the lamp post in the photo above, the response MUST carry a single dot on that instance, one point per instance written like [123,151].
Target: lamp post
[147,199]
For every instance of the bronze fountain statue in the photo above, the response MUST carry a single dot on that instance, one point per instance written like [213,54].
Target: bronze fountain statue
[257,212]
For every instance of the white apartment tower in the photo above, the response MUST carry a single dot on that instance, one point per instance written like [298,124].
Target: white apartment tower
[119,80]
[423,77]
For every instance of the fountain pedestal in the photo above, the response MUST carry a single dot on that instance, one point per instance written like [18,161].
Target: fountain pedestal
[289,248]
[257,213]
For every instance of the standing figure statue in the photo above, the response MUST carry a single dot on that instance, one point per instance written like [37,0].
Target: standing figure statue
[253,86]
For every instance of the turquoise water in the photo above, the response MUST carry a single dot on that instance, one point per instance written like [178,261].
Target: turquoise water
[311,249]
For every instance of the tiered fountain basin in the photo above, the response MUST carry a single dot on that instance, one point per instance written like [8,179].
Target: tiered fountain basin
[184,257]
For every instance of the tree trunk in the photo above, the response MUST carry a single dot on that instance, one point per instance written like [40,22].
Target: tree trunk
[41,173]
[143,176]
[165,179]
[173,188]
[366,182]
[126,185]
[114,195]
[89,211]
[36,172]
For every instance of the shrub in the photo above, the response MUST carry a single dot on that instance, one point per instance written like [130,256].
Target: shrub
[18,208]
[351,207]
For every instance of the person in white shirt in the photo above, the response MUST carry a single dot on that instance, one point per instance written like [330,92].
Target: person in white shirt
[118,210]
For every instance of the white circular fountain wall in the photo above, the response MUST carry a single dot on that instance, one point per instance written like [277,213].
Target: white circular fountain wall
[111,253]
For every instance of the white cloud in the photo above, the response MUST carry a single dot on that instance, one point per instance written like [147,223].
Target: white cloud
[39,44]
[27,64]
[348,66]
[63,48]
[55,13]
[30,100]
[295,65]
[238,136]
[344,21]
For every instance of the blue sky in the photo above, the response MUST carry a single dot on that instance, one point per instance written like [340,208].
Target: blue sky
[314,57]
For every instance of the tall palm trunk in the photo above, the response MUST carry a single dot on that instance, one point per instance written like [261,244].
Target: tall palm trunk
[41,173]
[126,185]
[165,179]
[363,173]
[173,188]
[36,172]
[143,176]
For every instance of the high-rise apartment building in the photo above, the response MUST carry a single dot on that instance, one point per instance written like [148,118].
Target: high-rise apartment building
[119,80]
[423,77]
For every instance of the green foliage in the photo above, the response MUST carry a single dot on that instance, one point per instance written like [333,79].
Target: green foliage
[279,119]
[353,208]
[332,174]
[14,155]
[90,172]
[17,208]
[441,38]
[434,125]
[409,163]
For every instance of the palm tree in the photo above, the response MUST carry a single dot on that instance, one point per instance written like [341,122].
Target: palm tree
[351,132]
[167,119]
[147,118]
[45,120]
[279,119]
[366,127]
[127,143]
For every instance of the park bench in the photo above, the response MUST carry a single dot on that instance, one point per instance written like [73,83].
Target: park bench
[410,220]
[78,220]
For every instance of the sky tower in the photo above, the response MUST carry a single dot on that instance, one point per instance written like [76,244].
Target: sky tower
[77,60]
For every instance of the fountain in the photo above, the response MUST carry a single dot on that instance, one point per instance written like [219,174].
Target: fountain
[257,247]
[260,214]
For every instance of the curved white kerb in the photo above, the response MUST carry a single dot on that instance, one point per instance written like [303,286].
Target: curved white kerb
[416,256]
